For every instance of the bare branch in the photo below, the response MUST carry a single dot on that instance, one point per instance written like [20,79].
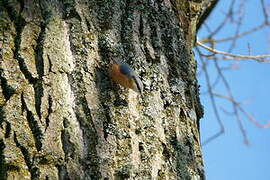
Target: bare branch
[259,58]
[234,16]
[208,9]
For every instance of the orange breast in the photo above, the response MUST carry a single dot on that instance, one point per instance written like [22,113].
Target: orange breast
[120,78]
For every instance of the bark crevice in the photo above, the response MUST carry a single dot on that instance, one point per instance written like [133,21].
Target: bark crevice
[33,124]
[27,158]
[47,119]
[3,166]
[7,90]
[89,159]
[38,86]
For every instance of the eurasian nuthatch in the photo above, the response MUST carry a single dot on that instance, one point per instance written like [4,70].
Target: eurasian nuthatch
[123,74]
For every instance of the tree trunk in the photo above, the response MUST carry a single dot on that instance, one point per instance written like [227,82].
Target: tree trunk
[61,116]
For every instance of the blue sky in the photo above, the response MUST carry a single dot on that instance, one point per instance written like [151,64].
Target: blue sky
[227,157]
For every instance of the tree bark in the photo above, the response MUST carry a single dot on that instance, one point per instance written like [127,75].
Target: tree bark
[61,116]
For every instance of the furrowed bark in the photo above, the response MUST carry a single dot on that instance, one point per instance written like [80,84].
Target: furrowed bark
[61,117]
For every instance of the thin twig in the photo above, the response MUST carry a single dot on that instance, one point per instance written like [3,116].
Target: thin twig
[247,114]
[234,103]
[238,25]
[264,12]
[242,34]
[226,18]
[252,119]
[222,129]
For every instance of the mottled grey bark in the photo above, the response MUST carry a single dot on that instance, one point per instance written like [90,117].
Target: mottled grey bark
[61,117]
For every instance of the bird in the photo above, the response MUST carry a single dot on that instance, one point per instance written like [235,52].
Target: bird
[124,75]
